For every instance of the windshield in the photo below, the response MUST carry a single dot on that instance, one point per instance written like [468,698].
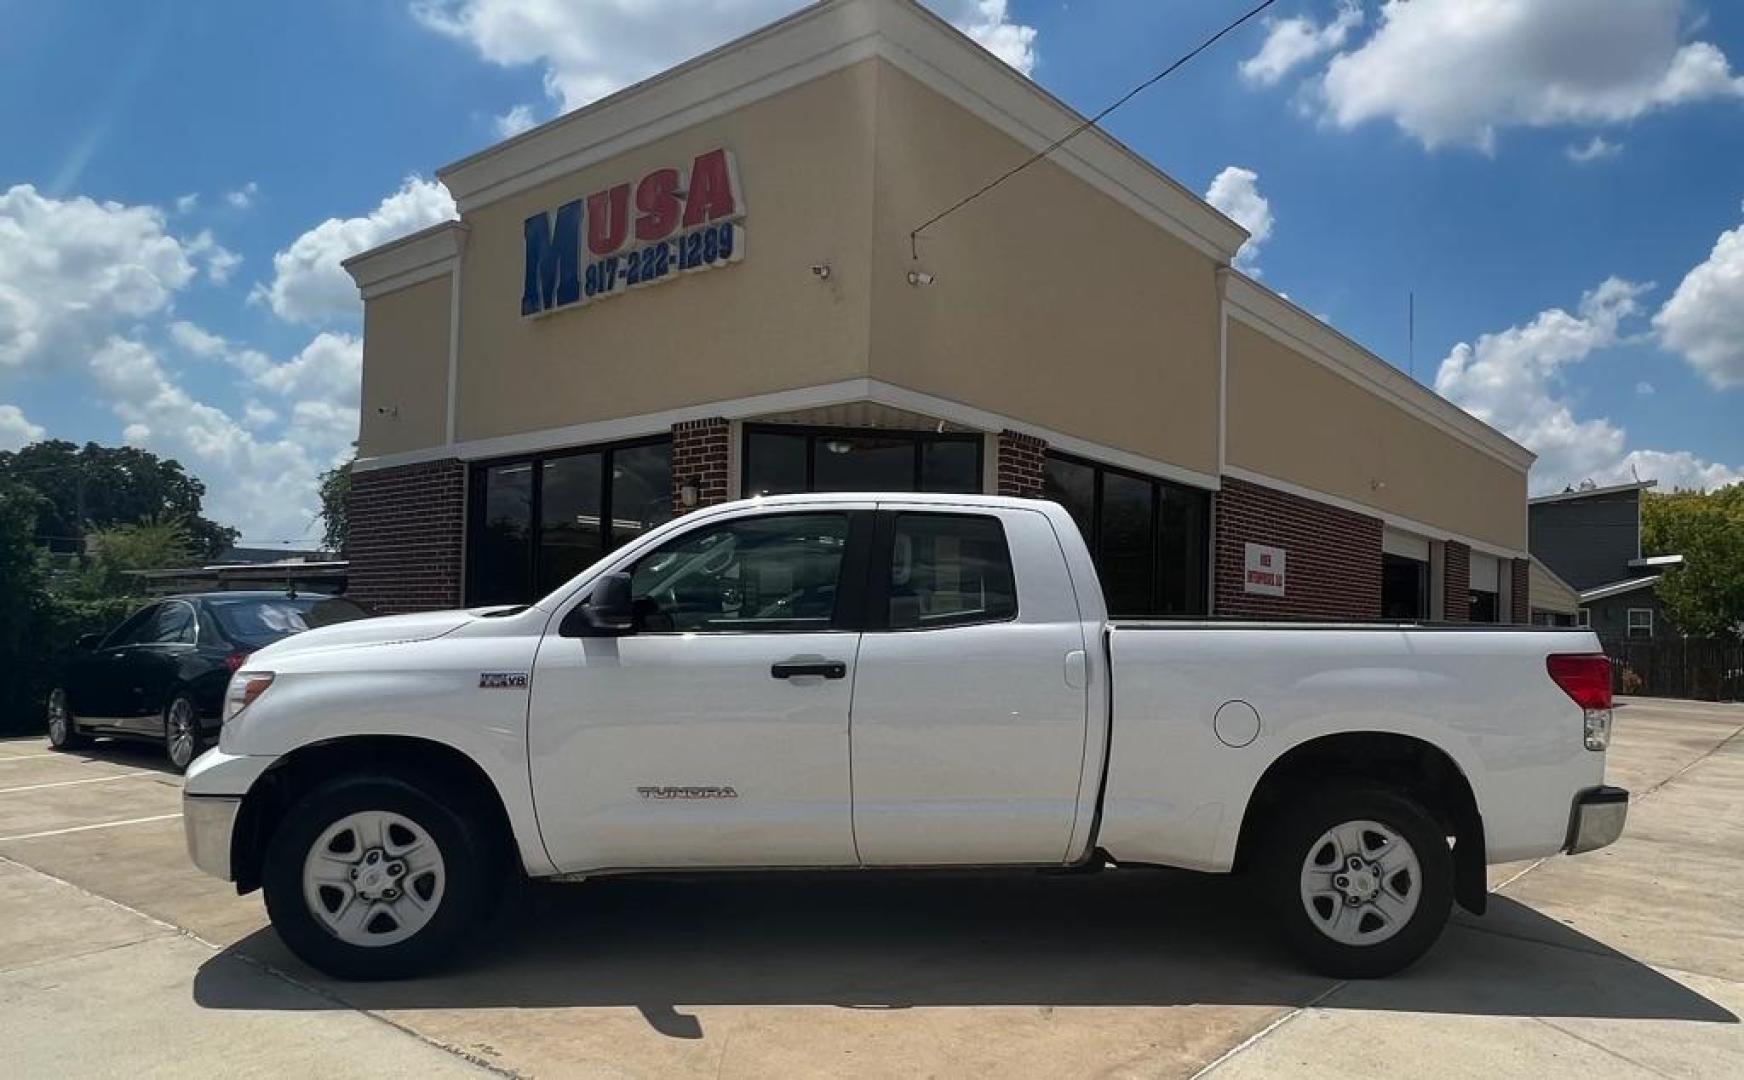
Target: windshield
[257,622]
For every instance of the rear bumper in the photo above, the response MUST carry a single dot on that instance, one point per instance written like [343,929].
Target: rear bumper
[209,822]
[1597,819]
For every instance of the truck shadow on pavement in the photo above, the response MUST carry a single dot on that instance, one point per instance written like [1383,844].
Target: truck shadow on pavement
[900,940]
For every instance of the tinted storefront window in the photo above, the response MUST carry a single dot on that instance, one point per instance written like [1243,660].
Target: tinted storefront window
[537,522]
[779,460]
[1149,537]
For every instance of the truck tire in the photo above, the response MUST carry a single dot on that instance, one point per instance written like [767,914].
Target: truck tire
[1362,881]
[370,876]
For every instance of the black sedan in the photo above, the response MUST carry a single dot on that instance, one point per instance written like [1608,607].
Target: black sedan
[161,674]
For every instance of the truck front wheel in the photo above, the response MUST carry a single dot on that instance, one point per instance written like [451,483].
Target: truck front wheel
[1362,880]
[373,877]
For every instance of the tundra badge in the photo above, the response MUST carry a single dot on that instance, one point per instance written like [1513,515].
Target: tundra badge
[502,680]
[690,792]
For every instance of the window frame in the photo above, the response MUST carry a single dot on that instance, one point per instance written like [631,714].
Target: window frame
[1201,558]
[851,580]
[813,433]
[477,472]
[1583,618]
[1629,626]
[883,549]
[146,614]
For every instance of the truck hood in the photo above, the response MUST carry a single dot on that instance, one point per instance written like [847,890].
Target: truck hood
[388,630]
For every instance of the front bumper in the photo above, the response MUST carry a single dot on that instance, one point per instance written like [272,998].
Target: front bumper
[1597,819]
[209,821]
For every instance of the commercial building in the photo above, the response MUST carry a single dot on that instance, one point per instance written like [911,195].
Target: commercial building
[708,285]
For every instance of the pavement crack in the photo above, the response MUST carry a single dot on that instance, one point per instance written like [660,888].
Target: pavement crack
[1280,1022]
[1601,1047]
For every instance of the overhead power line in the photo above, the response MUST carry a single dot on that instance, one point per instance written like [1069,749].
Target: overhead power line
[914,237]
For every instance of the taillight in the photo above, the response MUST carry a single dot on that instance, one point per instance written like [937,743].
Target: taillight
[1586,679]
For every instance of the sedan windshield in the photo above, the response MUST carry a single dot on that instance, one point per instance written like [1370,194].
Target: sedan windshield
[257,622]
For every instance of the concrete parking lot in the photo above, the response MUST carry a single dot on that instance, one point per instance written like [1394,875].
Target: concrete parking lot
[118,958]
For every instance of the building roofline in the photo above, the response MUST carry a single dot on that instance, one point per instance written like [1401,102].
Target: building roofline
[818,40]
[1570,496]
[1544,568]
[1617,588]
[1297,328]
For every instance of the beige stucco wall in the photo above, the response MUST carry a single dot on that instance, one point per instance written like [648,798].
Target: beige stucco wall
[1292,418]
[1053,303]
[405,367]
[763,324]
[1550,593]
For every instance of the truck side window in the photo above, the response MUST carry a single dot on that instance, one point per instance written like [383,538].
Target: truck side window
[774,574]
[950,570]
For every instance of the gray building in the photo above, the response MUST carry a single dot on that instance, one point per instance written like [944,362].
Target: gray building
[1591,538]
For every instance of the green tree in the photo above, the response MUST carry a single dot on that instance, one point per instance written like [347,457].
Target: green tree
[21,594]
[335,503]
[102,486]
[152,544]
[1705,596]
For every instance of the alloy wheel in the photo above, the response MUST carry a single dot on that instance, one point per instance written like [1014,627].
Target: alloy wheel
[59,718]
[182,732]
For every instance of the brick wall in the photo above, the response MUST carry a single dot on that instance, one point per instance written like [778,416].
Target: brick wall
[1522,586]
[1021,459]
[1332,557]
[407,536]
[1456,582]
[700,455]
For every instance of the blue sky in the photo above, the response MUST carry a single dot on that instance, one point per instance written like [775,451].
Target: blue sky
[1560,182]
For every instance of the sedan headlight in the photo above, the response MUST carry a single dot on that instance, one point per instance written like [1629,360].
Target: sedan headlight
[244,688]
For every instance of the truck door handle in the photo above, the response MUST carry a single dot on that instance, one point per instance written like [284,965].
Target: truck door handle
[829,669]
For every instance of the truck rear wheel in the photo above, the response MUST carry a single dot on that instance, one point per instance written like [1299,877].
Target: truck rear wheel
[1362,881]
[372,877]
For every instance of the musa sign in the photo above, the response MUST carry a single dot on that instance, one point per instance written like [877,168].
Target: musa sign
[631,235]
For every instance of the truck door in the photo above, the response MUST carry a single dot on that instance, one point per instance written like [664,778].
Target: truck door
[969,711]
[716,733]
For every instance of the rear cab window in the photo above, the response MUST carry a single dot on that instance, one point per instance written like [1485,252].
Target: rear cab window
[949,570]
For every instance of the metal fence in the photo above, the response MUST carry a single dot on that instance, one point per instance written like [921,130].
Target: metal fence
[1708,669]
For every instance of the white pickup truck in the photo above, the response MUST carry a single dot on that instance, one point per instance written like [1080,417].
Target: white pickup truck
[855,681]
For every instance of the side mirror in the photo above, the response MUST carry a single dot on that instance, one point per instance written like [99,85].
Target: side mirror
[606,613]
[89,641]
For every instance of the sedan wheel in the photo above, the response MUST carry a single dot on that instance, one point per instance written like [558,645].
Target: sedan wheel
[181,732]
[63,733]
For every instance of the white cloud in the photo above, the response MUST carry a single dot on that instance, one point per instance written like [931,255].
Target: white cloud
[267,487]
[1293,42]
[1515,380]
[185,204]
[242,198]
[1598,148]
[15,429]
[220,261]
[1458,71]
[515,121]
[309,285]
[1704,319]
[258,415]
[73,270]
[590,48]
[1236,192]
[1645,388]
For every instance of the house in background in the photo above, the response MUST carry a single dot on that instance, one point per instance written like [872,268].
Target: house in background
[1591,539]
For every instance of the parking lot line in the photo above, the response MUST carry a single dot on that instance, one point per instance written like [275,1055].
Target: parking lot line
[70,783]
[88,828]
[4,759]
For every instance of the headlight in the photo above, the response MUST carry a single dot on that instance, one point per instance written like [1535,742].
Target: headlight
[244,688]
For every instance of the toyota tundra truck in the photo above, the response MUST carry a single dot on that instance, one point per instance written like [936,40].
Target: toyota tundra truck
[870,681]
